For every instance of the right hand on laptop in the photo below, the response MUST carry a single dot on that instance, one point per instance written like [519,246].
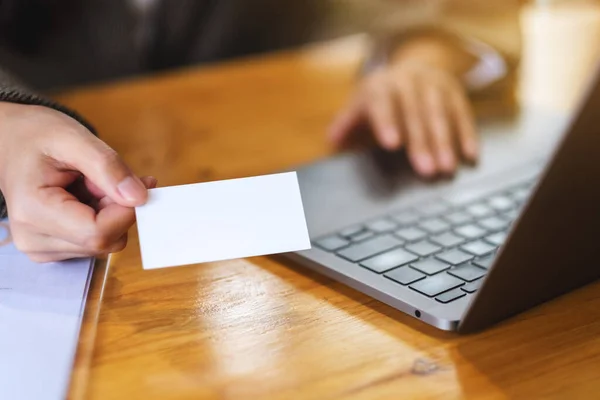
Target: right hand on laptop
[417,102]
[68,194]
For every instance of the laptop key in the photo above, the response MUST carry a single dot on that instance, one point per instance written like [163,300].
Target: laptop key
[369,248]
[353,230]
[434,225]
[478,248]
[454,257]
[430,266]
[501,203]
[406,217]
[521,194]
[362,236]
[497,239]
[423,248]
[472,287]
[389,260]
[410,234]
[480,210]
[493,223]
[485,262]
[433,208]
[381,226]
[450,296]
[465,195]
[511,215]
[405,275]
[437,284]
[447,239]
[458,218]
[468,272]
[470,231]
[332,243]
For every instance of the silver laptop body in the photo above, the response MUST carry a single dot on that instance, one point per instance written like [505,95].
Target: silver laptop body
[518,229]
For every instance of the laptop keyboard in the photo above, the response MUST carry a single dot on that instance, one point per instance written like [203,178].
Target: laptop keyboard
[436,249]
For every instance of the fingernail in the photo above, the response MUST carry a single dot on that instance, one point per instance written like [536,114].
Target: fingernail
[475,154]
[333,137]
[472,150]
[447,161]
[150,182]
[391,138]
[331,133]
[131,189]
[424,164]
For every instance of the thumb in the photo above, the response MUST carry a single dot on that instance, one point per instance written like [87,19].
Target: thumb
[100,164]
[149,181]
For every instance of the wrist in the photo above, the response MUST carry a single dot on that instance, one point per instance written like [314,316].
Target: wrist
[476,64]
[435,52]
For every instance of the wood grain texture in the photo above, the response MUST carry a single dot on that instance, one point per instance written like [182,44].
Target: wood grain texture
[264,327]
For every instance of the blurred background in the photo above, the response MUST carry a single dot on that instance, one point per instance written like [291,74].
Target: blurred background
[548,47]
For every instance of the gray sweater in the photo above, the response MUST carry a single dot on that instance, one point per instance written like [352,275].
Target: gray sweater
[49,44]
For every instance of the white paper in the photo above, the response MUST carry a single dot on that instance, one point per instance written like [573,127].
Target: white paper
[222,220]
[41,306]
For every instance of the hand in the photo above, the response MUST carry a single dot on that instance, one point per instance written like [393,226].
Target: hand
[68,194]
[420,107]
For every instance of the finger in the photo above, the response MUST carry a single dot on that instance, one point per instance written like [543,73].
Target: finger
[381,111]
[149,181]
[43,258]
[31,242]
[465,124]
[78,223]
[104,202]
[439,129]
[346,121]
[119,245]
[93,188]
[418,149]
[36,244]
[100,164]
[79,190]
[114,221]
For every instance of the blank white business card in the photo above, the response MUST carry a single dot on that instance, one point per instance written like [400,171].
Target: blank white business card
[203,222]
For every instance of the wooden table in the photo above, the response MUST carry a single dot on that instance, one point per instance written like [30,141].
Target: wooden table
[265,328]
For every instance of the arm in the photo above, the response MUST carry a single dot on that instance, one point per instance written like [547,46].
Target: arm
[476,64]
[14,91]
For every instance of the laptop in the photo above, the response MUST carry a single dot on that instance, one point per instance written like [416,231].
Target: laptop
[521,228]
